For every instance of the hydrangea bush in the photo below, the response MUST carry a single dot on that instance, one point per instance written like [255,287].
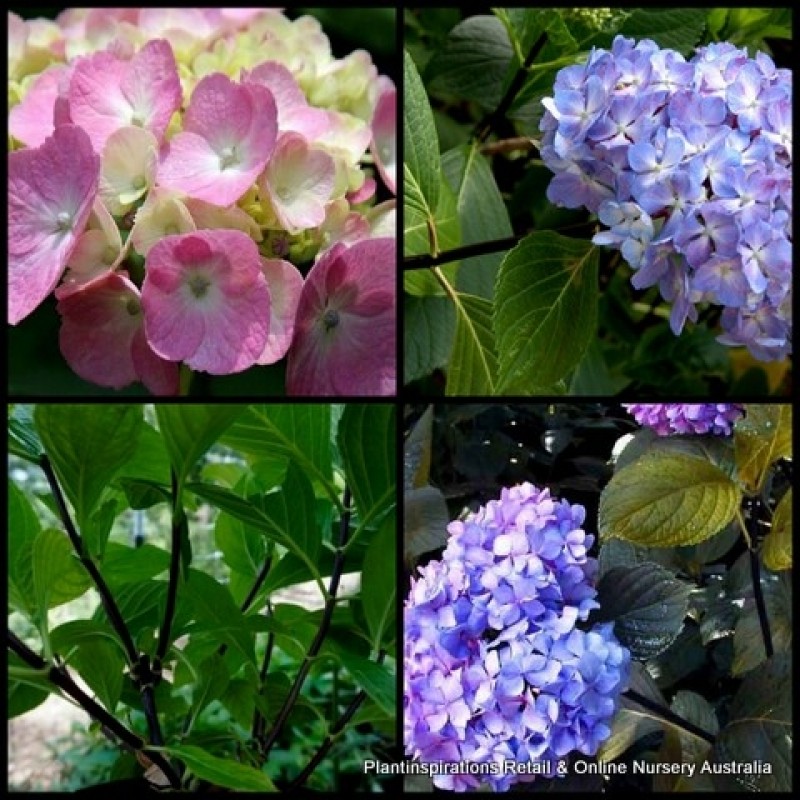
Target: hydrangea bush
[609,206]
[686,418]
[203,188]
[496,668]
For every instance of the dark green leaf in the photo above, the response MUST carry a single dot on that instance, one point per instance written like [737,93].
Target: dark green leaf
[214,679]
[375,679]
[23,439]
[150,461]
[243,547]
[417,452]
[23,697]
[379,581]
[78,632]
[677,28]
[482,214]
[100,663]
[429,325]
[473,362]
[545,312]
[220,771]
[189,430]
[143,494]
[23,527]
[366,439]
[425,521]
[57,575]
[86,445]
[647,605]
[123,564]
[759,730]
[665,499]
[239,699]
[761,438]
[97,528]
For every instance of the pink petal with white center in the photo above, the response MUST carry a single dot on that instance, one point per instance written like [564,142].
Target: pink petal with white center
[384,133]
[50,194]
[345,330]
[101,326]
[107,93]
[294,112]
[127,168]
[298,180]
[285,283]
[206,301]
[229,133]
[31,122]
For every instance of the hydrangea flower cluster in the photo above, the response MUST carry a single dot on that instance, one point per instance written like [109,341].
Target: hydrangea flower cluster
[689,164]
[496,668]
[667,419]
[199,187]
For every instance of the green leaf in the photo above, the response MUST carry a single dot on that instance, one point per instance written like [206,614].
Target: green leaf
[430,231]
[220,771]
[366,439]
[760,439]
[482,214]
[300,433]
[748,642]
[123,564]
[545,312]
[676,28]
[149,461]
[214,679]
[473,62]
[421,163]
[473,363]
[425,521]
[100,664]
[429,325]
[78,632]
[23,697]
[143,494]
[57,575]
[23,439]
[778,544]
[647,605]
[239,699]
[760,729]
[375,679]
[23,527]
[86,445]
[97,528]
[662,500]
[379,581]
[190,430]
[417,452]
[243,547]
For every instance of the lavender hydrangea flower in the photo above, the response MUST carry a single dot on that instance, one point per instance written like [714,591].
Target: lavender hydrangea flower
[496,668]
[687,418]
[689,164]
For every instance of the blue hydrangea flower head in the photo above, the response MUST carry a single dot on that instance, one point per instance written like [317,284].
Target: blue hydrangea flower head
[689,163]
[667,419]
[496,666]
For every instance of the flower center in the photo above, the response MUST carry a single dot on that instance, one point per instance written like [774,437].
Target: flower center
[137,119]
[139,182]
[330,319]
[199,284]
[64,221]
[228,157]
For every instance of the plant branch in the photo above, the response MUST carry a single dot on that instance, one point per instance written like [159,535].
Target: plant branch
[316,644]
[258,718]
[484,127]
[259,582]
[107,599]
[59,677]
[178,521]
[669,715]
[332,735]
[458,253]
[510,145]
[761,607]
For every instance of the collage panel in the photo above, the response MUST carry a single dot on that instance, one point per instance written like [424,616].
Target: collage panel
[202,597]
[597,597]
[202,202]
[597,202]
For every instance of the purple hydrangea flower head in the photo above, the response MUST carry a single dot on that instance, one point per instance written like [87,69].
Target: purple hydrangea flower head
[689,164]
[667,419]
[496,668]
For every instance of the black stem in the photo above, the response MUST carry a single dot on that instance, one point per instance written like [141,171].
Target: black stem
[335,730]
[316,644]
[107,599]
[669,715]
[259,723]
[761,608]
[484,127]
[178,521]
[59,677]
[458,253]
[259,582]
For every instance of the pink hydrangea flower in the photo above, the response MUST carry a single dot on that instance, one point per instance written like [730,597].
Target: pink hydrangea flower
[384,133]
[344,341]
[285,286]
[32,121]
[107,93]
[51,190]
[206,301]
[229,133]
[102,336]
